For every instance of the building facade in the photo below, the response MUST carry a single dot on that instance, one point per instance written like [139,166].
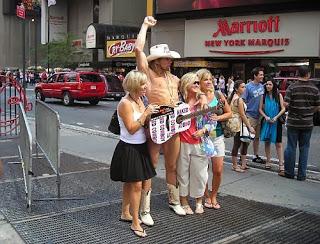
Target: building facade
[232,37]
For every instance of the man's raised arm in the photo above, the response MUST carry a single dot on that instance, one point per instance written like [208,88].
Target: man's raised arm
[141,58]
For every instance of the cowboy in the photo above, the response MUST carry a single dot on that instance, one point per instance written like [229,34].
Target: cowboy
[162,90]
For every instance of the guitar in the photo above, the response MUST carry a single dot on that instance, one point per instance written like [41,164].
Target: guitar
[171,120]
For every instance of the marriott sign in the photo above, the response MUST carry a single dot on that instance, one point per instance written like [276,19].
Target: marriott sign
[288,34]
[249,26]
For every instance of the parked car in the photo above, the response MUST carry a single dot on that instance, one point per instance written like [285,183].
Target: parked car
[114,87]
[70,86]
[283,83]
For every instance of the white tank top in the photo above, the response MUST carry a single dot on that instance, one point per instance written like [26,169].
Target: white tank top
[137,138]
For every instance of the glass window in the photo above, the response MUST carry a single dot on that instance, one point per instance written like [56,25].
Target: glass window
[61,78]
[72,78]
[90,78]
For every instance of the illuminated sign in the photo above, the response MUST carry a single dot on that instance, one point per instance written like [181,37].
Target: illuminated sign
[120,48]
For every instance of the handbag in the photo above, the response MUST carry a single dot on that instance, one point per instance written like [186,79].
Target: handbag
[114,125]
[232,126]
[245,134]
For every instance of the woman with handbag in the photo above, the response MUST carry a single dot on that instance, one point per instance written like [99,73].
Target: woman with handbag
[216,134]
[272,109]
[238,107]
[131,162]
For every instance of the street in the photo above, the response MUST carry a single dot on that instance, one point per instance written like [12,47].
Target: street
[84,115]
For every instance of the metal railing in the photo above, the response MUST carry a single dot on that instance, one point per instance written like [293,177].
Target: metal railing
[25,151]
[48,140]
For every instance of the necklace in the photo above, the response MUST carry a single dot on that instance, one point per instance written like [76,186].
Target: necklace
[167,78]
[135,101]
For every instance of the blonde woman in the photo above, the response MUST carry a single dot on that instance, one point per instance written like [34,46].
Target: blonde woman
[216,135]
[192,165]
[131,162]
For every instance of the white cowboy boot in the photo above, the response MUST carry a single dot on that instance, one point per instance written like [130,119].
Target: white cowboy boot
[145,208]
[174,200]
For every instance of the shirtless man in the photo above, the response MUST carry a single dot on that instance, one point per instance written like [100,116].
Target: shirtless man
[162,90]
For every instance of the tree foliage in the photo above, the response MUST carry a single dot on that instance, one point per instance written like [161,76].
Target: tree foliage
[61,53]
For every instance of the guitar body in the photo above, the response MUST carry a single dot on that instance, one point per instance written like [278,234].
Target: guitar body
[163,125]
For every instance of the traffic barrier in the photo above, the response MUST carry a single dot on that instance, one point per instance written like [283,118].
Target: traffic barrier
[47,123]
[25,151]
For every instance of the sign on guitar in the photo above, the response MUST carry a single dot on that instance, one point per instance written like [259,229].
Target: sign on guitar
[163,125]
[171,120]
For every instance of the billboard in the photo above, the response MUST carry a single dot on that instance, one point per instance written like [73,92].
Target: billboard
[170,6]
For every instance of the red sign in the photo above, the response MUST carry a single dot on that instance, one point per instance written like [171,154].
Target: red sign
[21,12]
[226,28]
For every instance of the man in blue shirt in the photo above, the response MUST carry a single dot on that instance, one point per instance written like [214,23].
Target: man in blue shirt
[254,91]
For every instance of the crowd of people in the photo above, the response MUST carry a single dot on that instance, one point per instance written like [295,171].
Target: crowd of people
[188,154]
[31,77]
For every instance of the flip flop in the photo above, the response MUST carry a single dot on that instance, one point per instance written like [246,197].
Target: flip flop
[128,220]
[238,169]
[207,204]
[140,233]
[216,206]
[244,168]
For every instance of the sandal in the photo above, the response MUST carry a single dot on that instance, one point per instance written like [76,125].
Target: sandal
[244,167]
[237,169]
[216,206]
[208,204]
[268,165]
[187,209]
[139,233]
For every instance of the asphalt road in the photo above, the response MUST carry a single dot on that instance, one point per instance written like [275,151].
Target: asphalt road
[97,117]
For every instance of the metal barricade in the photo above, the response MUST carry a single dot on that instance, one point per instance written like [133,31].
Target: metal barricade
[25,151]
[11,94]
[48,140]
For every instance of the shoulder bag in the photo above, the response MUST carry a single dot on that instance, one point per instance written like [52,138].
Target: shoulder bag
[114,125]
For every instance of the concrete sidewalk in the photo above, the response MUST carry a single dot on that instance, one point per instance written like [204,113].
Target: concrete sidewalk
[256,184]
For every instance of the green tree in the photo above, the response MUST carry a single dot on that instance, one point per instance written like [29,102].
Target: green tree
[61,53]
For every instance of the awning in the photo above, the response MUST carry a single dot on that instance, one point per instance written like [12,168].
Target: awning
[97,34]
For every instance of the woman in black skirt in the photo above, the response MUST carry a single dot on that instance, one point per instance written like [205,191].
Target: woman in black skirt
[131,161]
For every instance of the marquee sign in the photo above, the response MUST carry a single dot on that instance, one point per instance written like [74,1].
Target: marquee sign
[263,35]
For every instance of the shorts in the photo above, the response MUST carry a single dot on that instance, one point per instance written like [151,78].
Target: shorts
[256,124]
[219,146]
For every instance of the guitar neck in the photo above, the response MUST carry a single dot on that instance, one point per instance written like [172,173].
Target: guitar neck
[197,113]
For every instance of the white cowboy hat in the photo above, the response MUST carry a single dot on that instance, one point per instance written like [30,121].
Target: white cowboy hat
[161,51]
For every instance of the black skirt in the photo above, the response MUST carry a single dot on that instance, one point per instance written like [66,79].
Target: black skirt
[131,162]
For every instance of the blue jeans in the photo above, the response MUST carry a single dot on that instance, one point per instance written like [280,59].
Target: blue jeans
[303,138]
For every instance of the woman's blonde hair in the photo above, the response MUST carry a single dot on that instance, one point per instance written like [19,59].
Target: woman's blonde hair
[185,81]
[204,74]
[134,80]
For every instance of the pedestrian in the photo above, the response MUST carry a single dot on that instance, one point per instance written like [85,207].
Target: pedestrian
[131,162]
[302,100]
[230,86]
[271,108]
[239,107]
[216,134]
[222,84]
[192,165]
[163,90]
[252,95]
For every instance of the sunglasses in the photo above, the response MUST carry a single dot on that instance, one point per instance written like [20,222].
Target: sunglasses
[196,82]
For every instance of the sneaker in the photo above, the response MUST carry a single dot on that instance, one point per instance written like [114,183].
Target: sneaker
[199,208]
[177,209]
[187,209]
